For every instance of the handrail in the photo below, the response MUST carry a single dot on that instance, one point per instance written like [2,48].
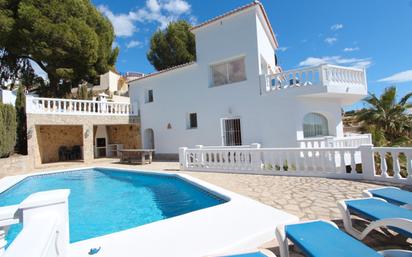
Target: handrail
[43,105]
[391,164]
[45,233]
[321,75]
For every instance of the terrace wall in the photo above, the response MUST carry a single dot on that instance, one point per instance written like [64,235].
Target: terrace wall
[52,137]
[128,135]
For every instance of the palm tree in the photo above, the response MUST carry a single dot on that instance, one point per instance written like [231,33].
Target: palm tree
[386,119]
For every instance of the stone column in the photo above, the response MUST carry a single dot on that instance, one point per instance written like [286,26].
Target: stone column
[32,143]
[88,151]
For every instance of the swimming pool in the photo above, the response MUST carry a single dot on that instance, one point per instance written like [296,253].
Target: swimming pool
[104,201]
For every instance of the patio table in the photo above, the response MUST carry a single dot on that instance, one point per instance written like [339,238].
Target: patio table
[136,155]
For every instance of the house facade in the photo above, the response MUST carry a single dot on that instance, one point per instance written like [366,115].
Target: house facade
[236,94]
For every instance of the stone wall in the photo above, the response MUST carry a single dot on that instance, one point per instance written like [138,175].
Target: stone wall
[51,138]
[15,164]
[128,135]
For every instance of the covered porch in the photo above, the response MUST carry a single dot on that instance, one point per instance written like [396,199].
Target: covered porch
[81,135]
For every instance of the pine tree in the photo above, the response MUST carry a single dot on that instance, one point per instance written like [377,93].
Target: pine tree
[173,46]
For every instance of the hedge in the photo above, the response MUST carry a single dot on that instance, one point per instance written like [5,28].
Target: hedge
[8,128]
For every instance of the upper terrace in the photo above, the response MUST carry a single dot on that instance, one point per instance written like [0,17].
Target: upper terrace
[325,80]
[40,105]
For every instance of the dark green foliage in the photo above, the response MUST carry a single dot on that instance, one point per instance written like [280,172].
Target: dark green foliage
[386,119]
[69,39]
[173,46]
[7,129]
[21,143]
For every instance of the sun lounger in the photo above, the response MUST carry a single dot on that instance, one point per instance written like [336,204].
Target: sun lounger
[379,212]
[393,195]
[256,253]
[324,239]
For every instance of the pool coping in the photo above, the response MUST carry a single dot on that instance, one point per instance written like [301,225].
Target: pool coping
[236,225]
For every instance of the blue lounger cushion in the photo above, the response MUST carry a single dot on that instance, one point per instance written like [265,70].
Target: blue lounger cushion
[321,239]
[393,195]
[254,254]
[374,209]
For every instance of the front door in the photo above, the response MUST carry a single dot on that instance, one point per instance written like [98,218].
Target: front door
[231,132]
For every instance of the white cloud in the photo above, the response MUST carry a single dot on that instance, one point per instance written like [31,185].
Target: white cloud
[336,27]
[351,49]
[122,23]
[404,76]
[133,43]
[153,5]
[177,6]
[161,12]
[283,49]
[353,62]
[331,40]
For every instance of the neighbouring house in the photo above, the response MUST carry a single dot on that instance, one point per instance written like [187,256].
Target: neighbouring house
[236,94]
[113,83]
[9,96]
[131,75]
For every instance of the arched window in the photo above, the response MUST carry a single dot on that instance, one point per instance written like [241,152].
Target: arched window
[315,125]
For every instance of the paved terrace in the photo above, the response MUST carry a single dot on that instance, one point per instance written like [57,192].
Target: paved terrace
[306,197]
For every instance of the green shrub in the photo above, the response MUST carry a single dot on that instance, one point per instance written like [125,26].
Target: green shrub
[7,129]
[21,141]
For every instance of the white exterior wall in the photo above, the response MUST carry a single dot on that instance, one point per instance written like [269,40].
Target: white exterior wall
[272,120]
[109,81]
[8,97]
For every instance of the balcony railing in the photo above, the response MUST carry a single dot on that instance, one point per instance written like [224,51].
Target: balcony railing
[329,141]
[323,75]
[40,105]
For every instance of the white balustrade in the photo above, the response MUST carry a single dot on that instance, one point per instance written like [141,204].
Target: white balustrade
[321,75]
[392,163]
[41,105]
[330,141]
[338,162]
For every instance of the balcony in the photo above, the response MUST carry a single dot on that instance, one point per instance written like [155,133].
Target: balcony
[39,105]
[348,84]
[330,141]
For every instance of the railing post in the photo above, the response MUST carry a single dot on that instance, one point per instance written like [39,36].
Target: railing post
[368,161]
[182,158]
[322,75]
[256,157]
[329,141]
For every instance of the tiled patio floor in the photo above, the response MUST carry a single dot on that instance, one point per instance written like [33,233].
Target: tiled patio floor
[306,197]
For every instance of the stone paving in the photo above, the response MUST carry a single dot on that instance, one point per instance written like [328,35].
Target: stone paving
[306,197]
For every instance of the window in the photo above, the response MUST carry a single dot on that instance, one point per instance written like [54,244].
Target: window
[192,120]
[315,125]
[149,96]
[231,132]
[228,72]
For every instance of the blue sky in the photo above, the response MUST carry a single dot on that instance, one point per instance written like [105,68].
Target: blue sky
[376,34]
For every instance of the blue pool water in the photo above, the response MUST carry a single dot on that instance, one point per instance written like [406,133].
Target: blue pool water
[104,201]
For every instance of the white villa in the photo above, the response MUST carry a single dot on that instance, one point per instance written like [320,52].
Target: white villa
[236,94]
[233,110]
[233,94]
